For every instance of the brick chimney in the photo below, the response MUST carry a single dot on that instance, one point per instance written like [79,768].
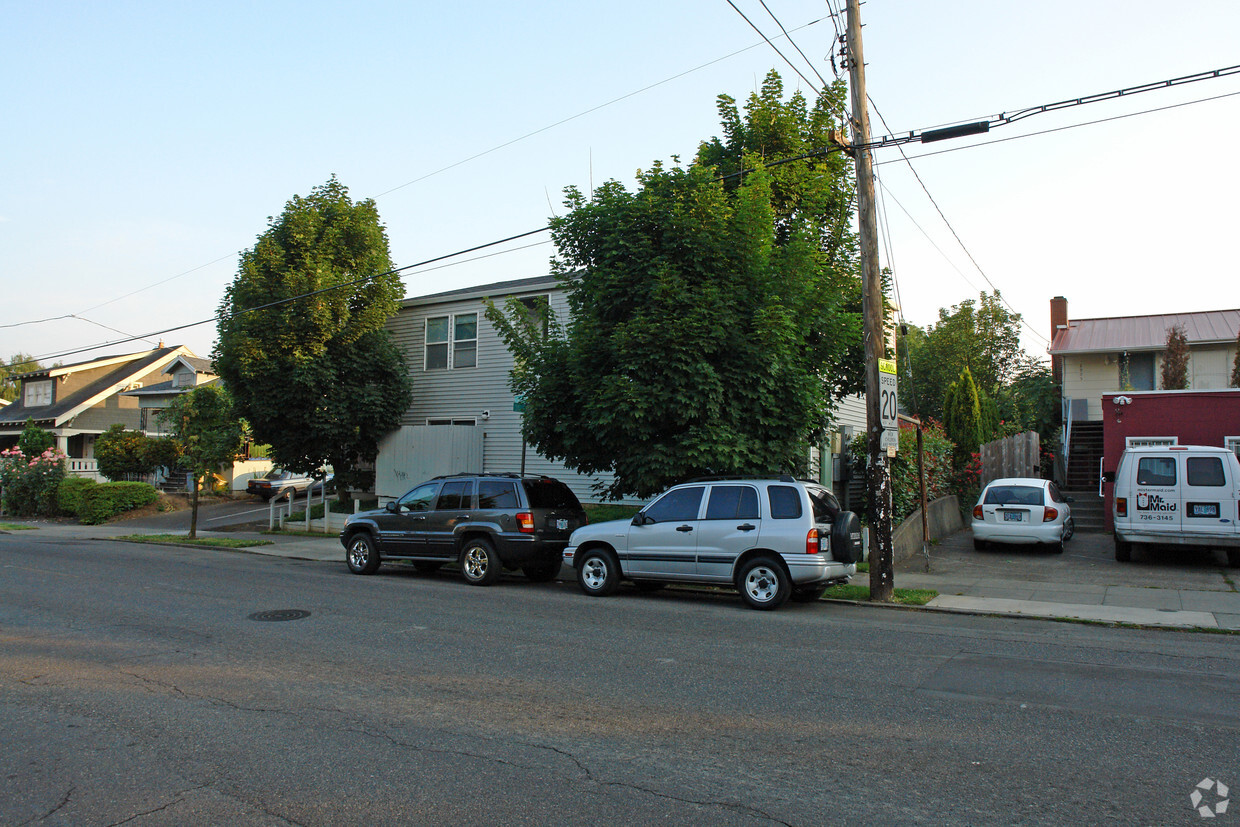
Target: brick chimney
[1059,319]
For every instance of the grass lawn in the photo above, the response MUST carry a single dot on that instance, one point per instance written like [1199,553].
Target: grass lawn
[182,540]
[907,597]
[15,527]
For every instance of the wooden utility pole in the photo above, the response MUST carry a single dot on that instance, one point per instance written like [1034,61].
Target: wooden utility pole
[878,477]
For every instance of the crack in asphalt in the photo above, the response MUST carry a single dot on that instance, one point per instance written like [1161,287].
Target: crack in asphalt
[179,798]
[209,698]
[63,801]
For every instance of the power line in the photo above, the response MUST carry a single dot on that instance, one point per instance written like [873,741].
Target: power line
[787,36]
[791,65]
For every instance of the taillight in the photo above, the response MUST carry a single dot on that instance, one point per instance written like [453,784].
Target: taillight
[525,522]
[811,541]
[1049,514]
[978,514]
[1121,506]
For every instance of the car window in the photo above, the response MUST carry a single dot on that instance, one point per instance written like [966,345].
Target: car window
[497,494]
[826,506]
[420,498]
[785,502]
[1156,471]
[676,506]
[1013,495]
[548,493]
[1056,496]
[732,502]
[1205,471]
[456,495]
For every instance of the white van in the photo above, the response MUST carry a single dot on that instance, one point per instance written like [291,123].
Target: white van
[1177,495]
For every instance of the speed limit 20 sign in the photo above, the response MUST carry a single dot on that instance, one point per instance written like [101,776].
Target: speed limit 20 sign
[887,393]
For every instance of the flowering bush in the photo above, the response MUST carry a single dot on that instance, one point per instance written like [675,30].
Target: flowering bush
[905,485]
[30,483]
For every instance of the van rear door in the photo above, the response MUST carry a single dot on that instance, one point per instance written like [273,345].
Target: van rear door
[1208,494]
[1157,505]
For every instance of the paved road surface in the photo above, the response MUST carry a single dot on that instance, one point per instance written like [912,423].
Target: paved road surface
[136,688]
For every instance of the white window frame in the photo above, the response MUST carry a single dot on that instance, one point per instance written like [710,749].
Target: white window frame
[446,421]
[1150,441]
[451,343]
[31,399]
[1232,443]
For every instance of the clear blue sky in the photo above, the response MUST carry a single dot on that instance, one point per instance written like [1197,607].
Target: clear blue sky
[146,143]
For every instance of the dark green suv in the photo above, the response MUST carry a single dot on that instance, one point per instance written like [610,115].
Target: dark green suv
[486,522]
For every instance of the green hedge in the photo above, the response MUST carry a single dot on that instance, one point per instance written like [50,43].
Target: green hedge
[106,500]
[69,494]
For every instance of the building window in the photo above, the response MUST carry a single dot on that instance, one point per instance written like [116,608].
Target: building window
[38,393]
[452,342]
[451,422]
[1150,441]
[1232,443]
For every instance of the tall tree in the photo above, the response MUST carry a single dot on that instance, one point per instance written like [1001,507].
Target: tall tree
[705,311]
[964,422]
[205,428]
[1235,365]
[1175,360]
[18,363]
[302,345]
[983,336]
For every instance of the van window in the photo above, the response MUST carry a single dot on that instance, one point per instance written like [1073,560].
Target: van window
[1205,471]
[1156,471]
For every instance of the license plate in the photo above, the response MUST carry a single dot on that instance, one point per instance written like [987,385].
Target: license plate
[562,525]
[1012,516]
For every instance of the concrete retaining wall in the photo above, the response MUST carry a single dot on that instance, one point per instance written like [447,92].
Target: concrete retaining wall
[944,519]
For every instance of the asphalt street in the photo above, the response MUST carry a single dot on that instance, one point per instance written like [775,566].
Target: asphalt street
[145,685]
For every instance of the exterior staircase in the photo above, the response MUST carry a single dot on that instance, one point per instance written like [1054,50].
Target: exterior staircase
[1087,511]
[1084,454]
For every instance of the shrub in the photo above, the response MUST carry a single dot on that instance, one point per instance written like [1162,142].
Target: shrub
[905,486]
[34,440]
[102,502]
[30,483]
[69,494]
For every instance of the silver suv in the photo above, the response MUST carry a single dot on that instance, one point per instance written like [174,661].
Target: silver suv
[770,538]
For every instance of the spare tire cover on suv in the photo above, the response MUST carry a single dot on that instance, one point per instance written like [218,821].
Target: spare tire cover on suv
[846,538]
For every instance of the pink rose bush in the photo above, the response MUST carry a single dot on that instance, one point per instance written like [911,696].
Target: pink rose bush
[29,484]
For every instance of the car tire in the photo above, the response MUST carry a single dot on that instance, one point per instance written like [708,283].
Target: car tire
[1071,530]
[361,555]
[598,572]
[763,583]
[1123,551]
[427,566]
[807,594]
[542,571]
[479,562]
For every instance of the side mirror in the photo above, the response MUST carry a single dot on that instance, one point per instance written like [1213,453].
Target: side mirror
[392,507]
[1069,499]
[641,519]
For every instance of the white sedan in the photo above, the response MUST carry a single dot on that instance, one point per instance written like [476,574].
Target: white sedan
[1022,511]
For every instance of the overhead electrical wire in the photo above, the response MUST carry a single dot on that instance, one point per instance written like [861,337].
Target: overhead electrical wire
[791,65]
[808,62]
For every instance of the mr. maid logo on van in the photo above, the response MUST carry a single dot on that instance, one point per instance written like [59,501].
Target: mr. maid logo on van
[1153,502]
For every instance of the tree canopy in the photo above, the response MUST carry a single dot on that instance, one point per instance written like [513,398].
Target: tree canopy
[1175,360]
[18,363]
[709,322]
[302,346]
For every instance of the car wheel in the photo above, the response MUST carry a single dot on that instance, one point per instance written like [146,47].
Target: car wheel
[479,563]
[807,594]
[1071,529]
[361,555]
[427,566]
[598,573]
[542,571]
[764,584]
[1123,551]
[980,545]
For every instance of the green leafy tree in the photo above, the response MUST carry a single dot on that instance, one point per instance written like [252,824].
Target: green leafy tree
[208,434]
[121,453]
[314,372]
[18,363]
[35,440]
[1030,401]
[983,336]
[707,306]
[1175,360]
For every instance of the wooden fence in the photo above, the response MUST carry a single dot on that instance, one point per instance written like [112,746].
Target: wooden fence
[1015,456]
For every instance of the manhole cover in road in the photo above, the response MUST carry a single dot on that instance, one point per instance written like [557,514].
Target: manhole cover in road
[280,614]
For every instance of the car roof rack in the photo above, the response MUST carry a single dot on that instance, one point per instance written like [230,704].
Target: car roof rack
[725,477]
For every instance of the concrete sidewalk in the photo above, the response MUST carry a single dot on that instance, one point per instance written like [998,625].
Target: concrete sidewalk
[1178,589]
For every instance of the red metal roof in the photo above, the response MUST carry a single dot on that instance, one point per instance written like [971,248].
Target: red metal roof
[1145,332]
